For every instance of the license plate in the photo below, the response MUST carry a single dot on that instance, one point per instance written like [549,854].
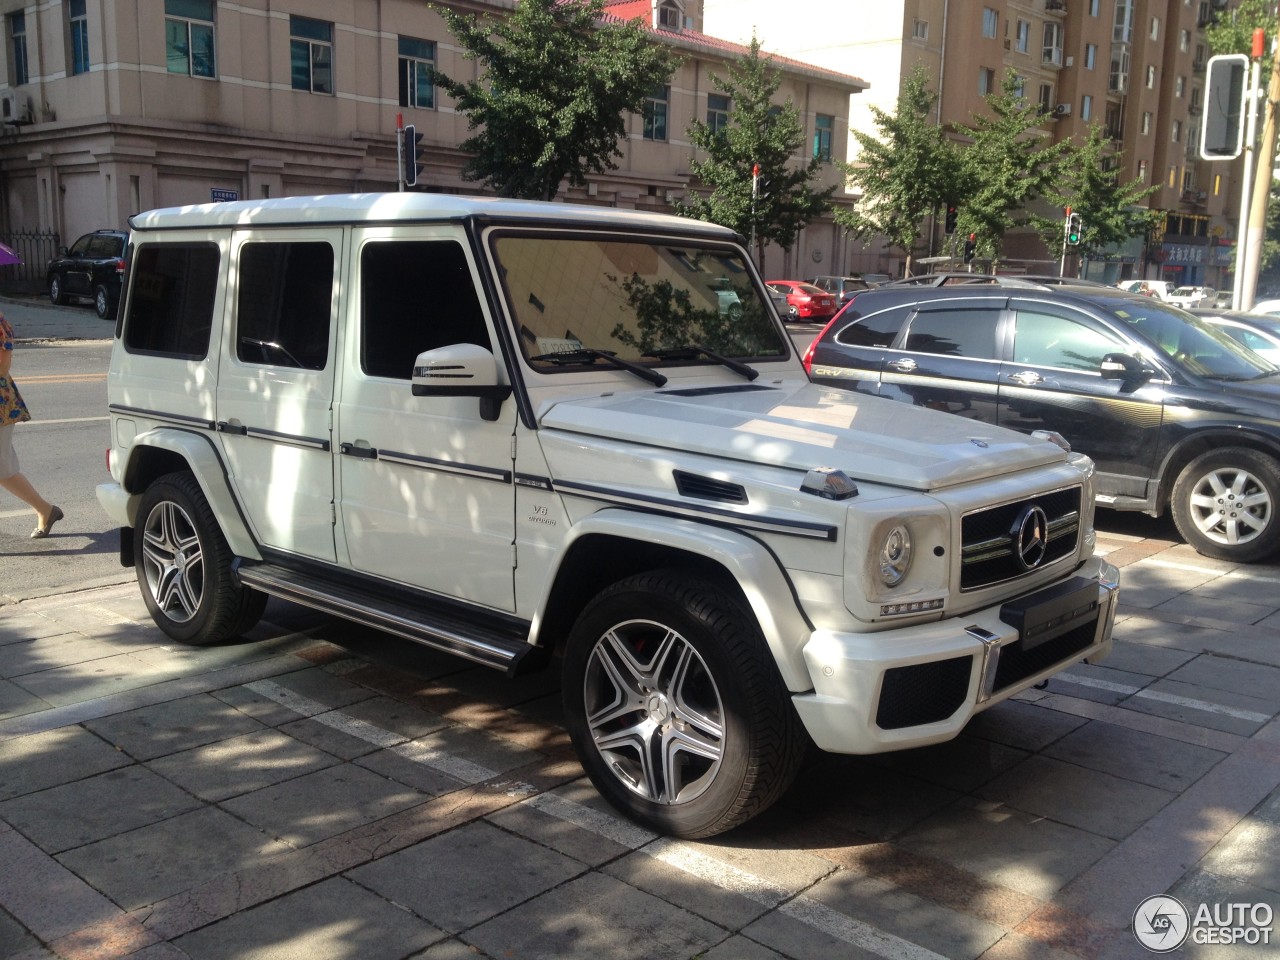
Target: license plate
[1045,614]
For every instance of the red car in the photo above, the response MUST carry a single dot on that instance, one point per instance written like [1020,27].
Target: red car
[804,300]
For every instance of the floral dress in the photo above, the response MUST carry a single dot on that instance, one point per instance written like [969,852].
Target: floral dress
[12,407]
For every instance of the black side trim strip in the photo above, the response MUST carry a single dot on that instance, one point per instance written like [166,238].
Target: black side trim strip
[161,415]
[732,518]
[446,466]
[293,439]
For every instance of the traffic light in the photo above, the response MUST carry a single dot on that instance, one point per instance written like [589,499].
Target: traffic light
[1222,136]
[1074,229]
[411,166]
[953,214]
[970,247]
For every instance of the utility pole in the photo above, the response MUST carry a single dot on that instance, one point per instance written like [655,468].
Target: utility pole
[1262,177]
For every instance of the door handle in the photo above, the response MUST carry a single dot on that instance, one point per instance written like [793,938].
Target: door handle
[903,365]
[232,426]
[360,449]
[1026,378]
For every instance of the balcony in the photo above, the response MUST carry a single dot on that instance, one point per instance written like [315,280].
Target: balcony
[1056,7]
[1194,198]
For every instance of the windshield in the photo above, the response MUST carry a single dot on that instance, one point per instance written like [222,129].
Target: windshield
[1194,344]
[642,300]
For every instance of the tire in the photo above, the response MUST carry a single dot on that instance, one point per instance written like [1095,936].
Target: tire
[56,294]
[183,564]
[102,303]
[1226,502]
[676,708]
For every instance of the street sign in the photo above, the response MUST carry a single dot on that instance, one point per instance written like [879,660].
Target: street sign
[223,196]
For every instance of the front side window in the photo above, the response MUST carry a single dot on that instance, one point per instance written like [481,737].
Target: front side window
[188,37]
[311,54]
[823,127]
[968,332]
[1048,340]
[18,70]
[649,302]
[78,36]
[990,22]
[171,293]
[718,106]
[417,68]
[284,305]
[1195,344]
[655,113]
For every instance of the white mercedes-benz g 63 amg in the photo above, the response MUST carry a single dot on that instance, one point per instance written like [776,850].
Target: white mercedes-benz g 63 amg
[515,430]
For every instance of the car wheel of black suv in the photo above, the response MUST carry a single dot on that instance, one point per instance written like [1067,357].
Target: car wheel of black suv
[1225,504]
[102,302]
[56,296]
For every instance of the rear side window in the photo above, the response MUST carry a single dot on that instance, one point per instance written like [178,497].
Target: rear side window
[967,332]
[170,307]
[105,246]
[874,330]
[285,304]
[415,295]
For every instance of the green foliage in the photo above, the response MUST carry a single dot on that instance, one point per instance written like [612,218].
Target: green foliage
[1008,166]
[760,132]
[1233,31]
[554,93]
[1111,212]
[667,319]
[905,170]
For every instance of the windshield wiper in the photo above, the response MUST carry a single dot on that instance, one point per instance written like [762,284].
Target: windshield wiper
[693,351]
[590,355]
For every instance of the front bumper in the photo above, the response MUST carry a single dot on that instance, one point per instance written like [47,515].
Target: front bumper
[921,684]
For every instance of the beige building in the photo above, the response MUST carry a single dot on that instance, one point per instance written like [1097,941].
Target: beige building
[1136,67]
[110,107]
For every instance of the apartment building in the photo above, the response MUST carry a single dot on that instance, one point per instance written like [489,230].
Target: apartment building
[1136,67]
[115,106]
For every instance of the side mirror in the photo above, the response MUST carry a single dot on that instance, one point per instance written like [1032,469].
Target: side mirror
[1121,366]
[461,370]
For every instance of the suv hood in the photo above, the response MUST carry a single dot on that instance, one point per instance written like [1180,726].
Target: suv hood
[809,426]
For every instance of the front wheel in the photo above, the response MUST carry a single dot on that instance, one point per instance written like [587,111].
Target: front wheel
[184,566]
[57,295]
[1225,502]
[676,708]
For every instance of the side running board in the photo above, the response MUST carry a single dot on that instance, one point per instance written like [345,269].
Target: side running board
[496,645]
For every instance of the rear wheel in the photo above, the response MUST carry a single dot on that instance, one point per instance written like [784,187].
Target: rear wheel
[102,302]
[184,566]
[56,294]
[1225,504]
[676,708]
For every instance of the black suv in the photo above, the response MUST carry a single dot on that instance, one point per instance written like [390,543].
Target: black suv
[92,268]
[1175,414]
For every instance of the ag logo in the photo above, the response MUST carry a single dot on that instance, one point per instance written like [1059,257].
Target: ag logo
[1161,924]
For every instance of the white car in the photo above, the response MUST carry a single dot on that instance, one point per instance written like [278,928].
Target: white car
[1191,297]
[1161,289]
[1270,307]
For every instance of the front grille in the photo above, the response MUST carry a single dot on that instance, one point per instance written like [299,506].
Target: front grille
[1017,664]
[990,553]
[923,692]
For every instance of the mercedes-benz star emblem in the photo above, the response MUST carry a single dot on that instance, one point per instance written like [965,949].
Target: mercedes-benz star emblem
[1030,536]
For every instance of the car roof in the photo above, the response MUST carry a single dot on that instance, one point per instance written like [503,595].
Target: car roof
[1241,316]
[1107,298]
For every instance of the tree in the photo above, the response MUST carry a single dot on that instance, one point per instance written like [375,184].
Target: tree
[1111,212]
[1008,166]
[905,171]
[758,132]
[553,97]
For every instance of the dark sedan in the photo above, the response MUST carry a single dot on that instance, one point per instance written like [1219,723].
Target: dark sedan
[1175,413]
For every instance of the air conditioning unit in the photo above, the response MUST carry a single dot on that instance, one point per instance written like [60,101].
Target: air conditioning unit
[1062,110]
[14,107]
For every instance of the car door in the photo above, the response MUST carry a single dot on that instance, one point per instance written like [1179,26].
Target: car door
[275,386]
[1053,381]
[77,270]
[426,493]
[851,355]
[947,358]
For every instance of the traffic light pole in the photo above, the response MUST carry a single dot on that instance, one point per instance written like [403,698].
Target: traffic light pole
[400,152]
[1243,239]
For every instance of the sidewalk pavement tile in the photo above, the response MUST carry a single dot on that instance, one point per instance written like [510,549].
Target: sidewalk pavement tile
[962,764]
[1022,725]
[78,682]
[333,920]
[1152,631]
[45,897]
[173,726]
[1220,673]
[1219,609]
[328,738]
[1248,853]
[1145,660]
[740,948]
[396,716]
[325,690]
[1077,796]
[1251,713]
[95,808]
[241,764]
[1019,850]
[14,701]
[48,653]
[853,793]
[1135,755]
[461,878]
[14,938]
[42,760]
[596,916]
[573,840]
[18,625]
[1098,694]
[138,868]
[323,804]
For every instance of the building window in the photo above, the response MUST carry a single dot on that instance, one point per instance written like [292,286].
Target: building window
[1142,171]
[1188,179]
[920,30]
[655,113]
[823,127]
[311,54]
[1184,40]
[1052,52]
[1195,100]
[1093,7]
[1090,55]
[669,16]
[1146,122]
[1177,131]
[1151,77]
[1046,97]
[18,72]
[1179,84]
[78,24]
[1155,28]
[1173,176]
[188,37]
[417,65]
[1023,41]
[718,106]
[986,81]
[990,23]
[1086,107]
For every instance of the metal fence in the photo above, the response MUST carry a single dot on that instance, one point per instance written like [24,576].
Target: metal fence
[36,250]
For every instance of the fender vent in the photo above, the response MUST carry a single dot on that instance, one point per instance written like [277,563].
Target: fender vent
[705,488]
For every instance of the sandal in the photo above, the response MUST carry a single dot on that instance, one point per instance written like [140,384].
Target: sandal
[40,532]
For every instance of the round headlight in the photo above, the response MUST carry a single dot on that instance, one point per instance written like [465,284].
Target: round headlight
[895,556]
